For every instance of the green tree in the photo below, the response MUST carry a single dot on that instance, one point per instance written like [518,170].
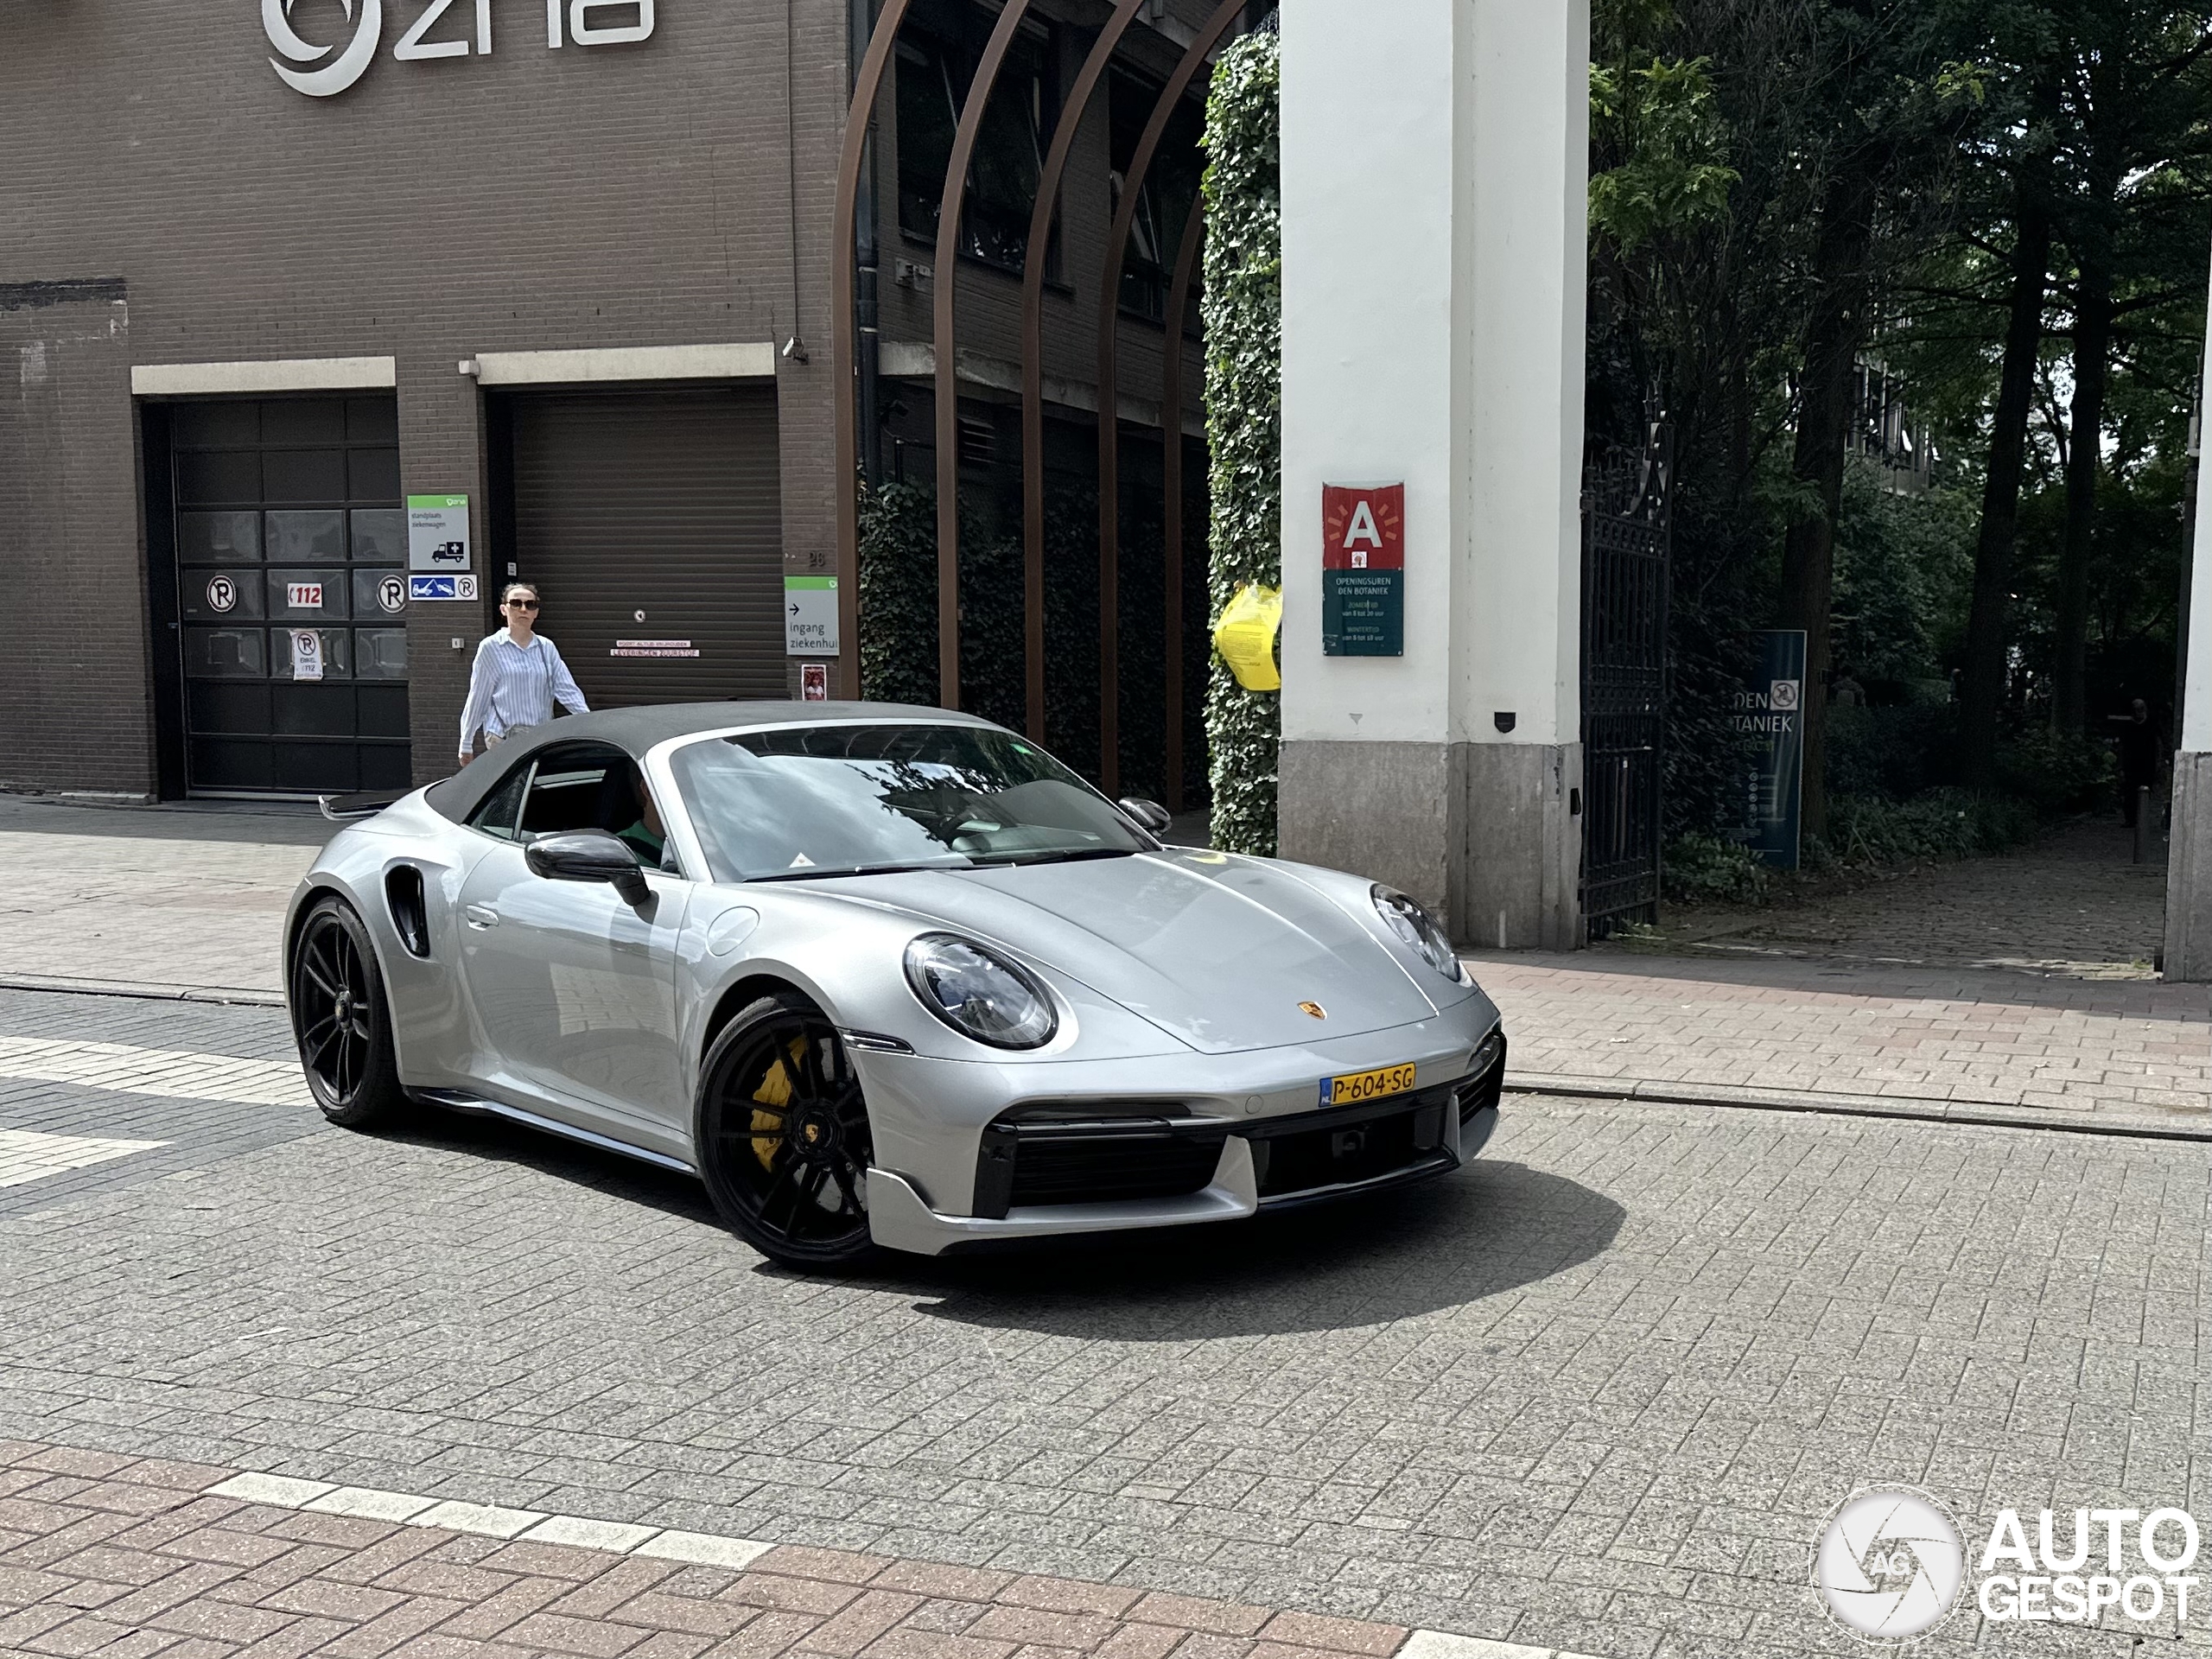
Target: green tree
[2136,84]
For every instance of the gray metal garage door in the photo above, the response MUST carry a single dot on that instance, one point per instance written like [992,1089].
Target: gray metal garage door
[652,523]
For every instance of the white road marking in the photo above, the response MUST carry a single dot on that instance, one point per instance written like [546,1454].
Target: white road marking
[366,1504]
[487,1519]
[281,1491]
[704,1549]
[176,1074]
[27,1156]
[616,1537]
[1440,1644]
[610,1536]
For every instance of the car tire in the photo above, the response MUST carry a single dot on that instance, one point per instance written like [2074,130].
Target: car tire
[784,1139]
[341,1020]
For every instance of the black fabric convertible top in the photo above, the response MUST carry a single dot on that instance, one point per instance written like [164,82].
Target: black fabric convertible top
[636,730]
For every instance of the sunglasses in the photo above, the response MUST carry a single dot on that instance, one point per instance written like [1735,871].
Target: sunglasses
[522,604]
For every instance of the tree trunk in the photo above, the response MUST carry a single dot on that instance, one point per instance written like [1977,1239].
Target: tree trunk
[1824,407]
[1984,689]
[2084,458]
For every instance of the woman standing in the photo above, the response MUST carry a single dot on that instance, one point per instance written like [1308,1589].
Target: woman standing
[518,676]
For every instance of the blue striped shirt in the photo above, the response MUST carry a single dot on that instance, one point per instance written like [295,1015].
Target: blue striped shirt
[513,685]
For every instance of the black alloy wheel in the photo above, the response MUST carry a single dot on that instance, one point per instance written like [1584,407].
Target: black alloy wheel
[341,1020]
[784,1135]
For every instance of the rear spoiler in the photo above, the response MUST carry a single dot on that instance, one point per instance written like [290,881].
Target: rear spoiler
[343,808]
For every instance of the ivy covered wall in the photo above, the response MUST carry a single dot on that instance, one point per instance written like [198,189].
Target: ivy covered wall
[1243,323]
[898,615]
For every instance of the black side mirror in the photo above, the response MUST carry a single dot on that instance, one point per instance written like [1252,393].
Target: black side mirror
[589,855]
[1150,816]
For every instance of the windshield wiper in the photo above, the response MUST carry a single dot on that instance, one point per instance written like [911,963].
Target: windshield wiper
[1073,856]
[854,870]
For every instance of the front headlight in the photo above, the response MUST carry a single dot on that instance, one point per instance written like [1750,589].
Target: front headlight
[978,994]
[1409,919]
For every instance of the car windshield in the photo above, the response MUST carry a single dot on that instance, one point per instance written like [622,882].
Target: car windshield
[812,801]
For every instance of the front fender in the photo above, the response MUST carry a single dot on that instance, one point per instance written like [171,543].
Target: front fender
[849,960]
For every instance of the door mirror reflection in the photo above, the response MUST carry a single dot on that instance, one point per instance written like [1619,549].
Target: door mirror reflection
[1150,815]
[589,855]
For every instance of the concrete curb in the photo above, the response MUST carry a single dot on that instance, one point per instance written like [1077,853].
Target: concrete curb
[1910,1108]
[237,995]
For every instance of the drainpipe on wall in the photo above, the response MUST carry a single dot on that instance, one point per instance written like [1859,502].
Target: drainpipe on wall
[2189,509]
[867,317]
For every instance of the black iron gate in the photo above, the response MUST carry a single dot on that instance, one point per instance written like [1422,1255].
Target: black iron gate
[1626,536]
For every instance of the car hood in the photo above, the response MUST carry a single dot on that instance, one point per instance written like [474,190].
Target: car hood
[1219,951]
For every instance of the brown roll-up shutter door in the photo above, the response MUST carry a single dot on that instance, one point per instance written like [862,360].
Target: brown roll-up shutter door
[666,503]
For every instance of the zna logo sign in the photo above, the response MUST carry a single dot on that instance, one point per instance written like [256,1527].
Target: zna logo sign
[584,23]
[341,72]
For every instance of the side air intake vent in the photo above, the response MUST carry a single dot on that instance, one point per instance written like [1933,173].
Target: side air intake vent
[403,896]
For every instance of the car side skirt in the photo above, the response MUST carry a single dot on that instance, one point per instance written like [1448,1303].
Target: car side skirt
[454,1100]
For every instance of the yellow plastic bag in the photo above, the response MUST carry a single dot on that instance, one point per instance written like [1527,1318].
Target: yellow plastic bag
[1245,636]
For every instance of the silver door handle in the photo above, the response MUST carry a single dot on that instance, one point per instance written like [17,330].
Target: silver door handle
[481,916]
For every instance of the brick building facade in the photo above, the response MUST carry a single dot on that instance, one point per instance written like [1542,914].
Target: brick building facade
[386,291]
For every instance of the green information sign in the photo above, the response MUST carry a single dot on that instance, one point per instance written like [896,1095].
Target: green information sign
[437,533]
[810,616]
[1363,612]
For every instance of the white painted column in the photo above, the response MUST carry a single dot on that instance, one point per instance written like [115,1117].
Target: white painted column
[2189,874]
[1434,169]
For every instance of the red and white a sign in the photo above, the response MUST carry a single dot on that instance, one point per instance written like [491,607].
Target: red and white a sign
[1362,526]
[1362,570]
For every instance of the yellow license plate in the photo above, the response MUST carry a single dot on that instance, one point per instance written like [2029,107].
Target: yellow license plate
[1355,1087]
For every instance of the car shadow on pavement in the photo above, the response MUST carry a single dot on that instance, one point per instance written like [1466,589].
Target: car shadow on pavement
[1494,1227]
[1491,1228]
[626,1180]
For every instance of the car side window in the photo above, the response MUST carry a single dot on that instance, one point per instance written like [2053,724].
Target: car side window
[502,807]
[594,786]
[566,791]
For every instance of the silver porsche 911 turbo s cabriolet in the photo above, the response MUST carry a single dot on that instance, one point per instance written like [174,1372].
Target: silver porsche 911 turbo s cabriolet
[880,977]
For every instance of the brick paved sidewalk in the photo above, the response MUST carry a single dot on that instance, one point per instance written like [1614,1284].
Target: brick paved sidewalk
[2008,988]
[168,898]
[2115,1050]
[127,1558]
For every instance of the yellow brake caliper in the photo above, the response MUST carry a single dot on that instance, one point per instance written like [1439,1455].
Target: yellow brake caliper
[771,1099]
